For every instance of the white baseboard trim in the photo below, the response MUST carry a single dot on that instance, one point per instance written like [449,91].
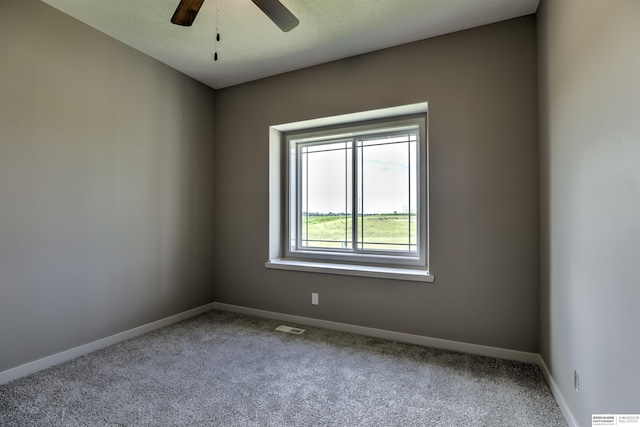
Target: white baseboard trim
[47,362]
[482,350]
[557,394]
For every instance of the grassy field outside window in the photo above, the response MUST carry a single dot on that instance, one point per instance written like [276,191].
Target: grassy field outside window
[389,232]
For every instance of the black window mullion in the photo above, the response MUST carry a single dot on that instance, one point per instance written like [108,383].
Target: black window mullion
[306,192]
[409,193]
[346,196]
[298,196]
[354,196]
[361,189]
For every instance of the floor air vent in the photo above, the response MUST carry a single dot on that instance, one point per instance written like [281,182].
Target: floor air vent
[289,330]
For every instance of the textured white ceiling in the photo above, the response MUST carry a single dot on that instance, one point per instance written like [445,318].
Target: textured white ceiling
[252,47]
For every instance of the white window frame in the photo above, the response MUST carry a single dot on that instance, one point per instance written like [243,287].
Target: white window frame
[351,134]
[381,265]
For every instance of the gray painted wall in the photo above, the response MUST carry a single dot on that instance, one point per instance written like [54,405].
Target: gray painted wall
[590,186]
[105,186]
[481,86]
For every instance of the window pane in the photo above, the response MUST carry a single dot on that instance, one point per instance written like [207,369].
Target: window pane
[326,195]
[387,186]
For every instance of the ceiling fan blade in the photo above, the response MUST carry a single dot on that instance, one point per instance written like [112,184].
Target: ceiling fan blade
[278,13]
[186,12]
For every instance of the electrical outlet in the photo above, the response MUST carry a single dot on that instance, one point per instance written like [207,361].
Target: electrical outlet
[576,381]
[314,298]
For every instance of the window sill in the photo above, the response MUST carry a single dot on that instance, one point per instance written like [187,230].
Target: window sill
[393,273]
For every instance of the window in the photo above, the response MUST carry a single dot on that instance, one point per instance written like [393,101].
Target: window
[353,197]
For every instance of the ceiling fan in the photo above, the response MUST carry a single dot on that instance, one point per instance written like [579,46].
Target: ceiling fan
[187,10]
